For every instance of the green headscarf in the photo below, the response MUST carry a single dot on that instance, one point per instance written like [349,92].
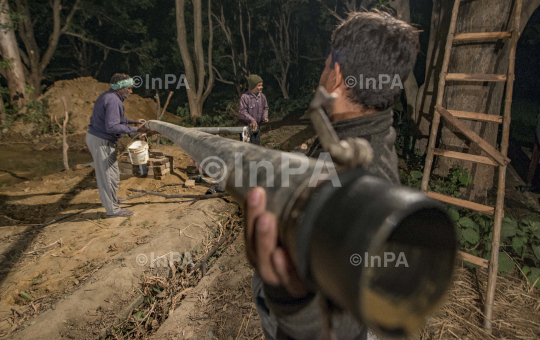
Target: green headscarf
[123,84]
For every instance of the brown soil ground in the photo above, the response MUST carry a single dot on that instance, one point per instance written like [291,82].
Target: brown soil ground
[85,281]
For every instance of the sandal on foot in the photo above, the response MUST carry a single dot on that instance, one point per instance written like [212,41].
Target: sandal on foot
[121,213]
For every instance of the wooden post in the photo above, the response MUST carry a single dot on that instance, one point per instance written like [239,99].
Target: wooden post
[166,104]
[499,209]
[158,116]
[65,145]
[158,108]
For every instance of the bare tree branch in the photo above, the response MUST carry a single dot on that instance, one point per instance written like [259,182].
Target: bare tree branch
[332,12]
[242,35]
[53,37]
[198,32]
[70,17]
[105,54]
[101,44]
[211,75]
[220,78]
[313,58]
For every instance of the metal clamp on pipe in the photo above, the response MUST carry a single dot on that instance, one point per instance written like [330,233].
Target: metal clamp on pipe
[352,152]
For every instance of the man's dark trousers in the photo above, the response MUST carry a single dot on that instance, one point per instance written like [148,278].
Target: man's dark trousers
[255,137]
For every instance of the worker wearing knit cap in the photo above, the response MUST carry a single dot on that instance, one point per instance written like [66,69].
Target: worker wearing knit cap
[254,107]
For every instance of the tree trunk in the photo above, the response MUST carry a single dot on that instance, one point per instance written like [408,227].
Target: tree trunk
[195,69]
[34,62]
[283,85]
[10,51]
[403,12]
[425,103]
[35,80]
[281,44]
[472,58]
[2,112]
[482,58]
[240,72]
[411,93]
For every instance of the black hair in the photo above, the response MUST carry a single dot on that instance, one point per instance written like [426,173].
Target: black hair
[370,44]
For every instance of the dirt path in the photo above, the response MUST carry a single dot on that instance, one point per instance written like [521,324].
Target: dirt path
[86,262]
[287,134]
[220,306]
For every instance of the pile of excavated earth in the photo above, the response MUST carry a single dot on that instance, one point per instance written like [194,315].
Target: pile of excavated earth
[80,95]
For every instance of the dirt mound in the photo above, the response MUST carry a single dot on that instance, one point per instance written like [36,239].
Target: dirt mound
[81,94]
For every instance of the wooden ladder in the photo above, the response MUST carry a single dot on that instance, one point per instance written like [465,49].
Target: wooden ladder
[497,158]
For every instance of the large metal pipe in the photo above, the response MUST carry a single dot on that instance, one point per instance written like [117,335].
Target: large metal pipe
[329,226]
[218,130]
[245,131]
[235,159]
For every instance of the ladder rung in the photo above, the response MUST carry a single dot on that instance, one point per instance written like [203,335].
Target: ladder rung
[462,203]
[473,259]
[464,156]
[482,36]
[490,150]
[477,116]
[475,77]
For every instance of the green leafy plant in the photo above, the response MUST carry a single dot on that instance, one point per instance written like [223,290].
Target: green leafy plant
[520,240]
[451,185]
[412,179]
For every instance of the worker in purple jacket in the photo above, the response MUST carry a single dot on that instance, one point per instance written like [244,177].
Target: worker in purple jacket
[254,108]
[107,125]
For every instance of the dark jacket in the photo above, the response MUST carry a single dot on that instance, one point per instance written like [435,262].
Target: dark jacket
[300,318]
[108,121]
[252,108]
[378,131]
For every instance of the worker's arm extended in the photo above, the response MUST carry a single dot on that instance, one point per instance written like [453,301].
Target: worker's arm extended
[113,121]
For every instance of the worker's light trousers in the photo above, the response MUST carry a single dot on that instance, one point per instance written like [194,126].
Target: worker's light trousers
[107,174]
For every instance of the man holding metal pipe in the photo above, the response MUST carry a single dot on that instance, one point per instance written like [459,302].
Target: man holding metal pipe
[253,108]
[366,45]
[107,125]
